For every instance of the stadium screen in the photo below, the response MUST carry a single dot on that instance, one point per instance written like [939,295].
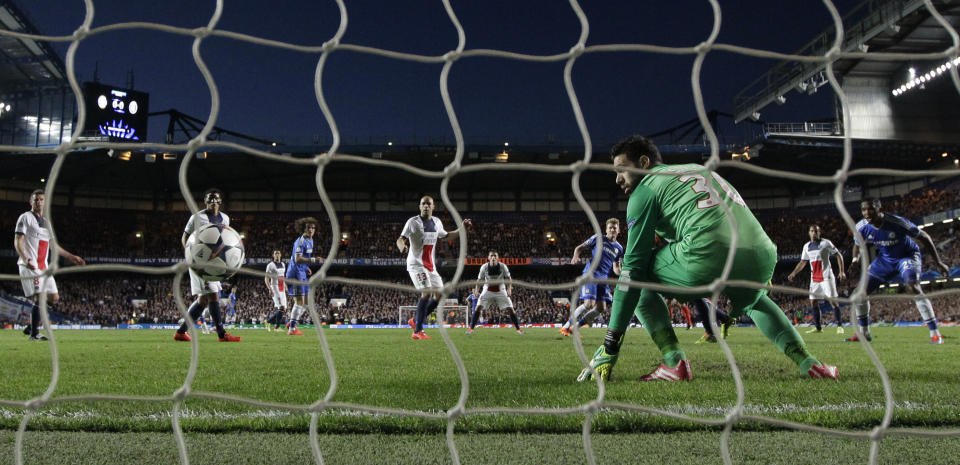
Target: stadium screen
[115,113]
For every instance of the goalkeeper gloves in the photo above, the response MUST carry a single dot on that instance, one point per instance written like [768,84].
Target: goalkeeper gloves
[602,363]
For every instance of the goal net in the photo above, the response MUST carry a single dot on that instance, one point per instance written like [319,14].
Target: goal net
[570,57]
[452,315]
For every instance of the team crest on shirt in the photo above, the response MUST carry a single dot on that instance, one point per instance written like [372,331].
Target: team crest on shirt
[892,235]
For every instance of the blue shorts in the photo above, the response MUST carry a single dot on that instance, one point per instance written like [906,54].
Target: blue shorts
[902,270]
[295,290]
[596,291]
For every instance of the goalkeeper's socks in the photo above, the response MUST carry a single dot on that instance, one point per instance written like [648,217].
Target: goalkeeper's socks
[777,328]
[277,318]
[514,320]
[612,341]
[666,341]
[836,313]
[817,316]
[194,312]
[214,307]
[421,312]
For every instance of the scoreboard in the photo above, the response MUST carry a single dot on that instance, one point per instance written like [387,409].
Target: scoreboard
[115,113]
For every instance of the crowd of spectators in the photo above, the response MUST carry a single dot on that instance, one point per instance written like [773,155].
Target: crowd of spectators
[109,299]
[114,233]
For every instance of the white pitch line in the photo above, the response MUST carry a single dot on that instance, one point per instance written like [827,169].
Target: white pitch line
[276,413]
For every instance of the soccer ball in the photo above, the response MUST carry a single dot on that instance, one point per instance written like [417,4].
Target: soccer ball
[215,252]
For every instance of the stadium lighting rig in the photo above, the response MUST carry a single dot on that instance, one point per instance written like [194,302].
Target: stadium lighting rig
[914,81]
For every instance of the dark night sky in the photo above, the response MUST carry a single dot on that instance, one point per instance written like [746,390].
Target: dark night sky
[269,92]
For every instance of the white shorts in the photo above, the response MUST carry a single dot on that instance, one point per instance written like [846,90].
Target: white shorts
[423,279]
[200,287]
[500,298]
[279,299]
[33,283]
[827,287]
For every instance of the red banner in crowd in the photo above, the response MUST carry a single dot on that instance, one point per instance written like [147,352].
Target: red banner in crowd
[505,260]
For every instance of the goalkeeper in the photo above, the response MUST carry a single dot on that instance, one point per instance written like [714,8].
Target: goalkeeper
[682,209]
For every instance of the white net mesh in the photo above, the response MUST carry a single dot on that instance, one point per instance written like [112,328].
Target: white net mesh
[458,410]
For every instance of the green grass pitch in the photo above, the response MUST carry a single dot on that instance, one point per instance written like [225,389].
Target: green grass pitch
[384,368]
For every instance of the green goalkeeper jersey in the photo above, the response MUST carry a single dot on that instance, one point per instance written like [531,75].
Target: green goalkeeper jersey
[683,211]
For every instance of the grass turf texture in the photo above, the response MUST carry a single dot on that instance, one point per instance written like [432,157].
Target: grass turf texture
[384,368]
[682,448]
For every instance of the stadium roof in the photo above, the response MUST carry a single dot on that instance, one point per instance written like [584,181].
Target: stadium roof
[147,170]
[890,26]
[25,63]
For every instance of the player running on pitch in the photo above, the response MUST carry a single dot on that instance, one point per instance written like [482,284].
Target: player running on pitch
[31,240]
[300,260]
[422,232]
[898,259]
[611,259]
[207,292]
[817,252]
[677,203]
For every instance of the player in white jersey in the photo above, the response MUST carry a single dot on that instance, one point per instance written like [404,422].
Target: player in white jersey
[422,232]
[207,292]
[494,293]
[31,240]
[817,252]
[276,270]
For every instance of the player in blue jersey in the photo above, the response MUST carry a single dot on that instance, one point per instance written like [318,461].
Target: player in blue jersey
[471,301]
[611,259]
[300,260]
[898,260]
[232,305]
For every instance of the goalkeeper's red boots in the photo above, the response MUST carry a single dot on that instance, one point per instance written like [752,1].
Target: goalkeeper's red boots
[566,332]
[681,372]
[823,372]
[178,336]
[295,332]
[411,323]
[229,338]
[420,336]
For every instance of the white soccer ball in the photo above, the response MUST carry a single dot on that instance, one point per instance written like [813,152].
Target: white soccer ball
[215,252]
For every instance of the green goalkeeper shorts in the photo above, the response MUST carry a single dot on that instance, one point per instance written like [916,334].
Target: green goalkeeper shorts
[686,264]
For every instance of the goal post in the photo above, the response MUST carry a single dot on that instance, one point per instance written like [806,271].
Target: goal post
[453,315]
